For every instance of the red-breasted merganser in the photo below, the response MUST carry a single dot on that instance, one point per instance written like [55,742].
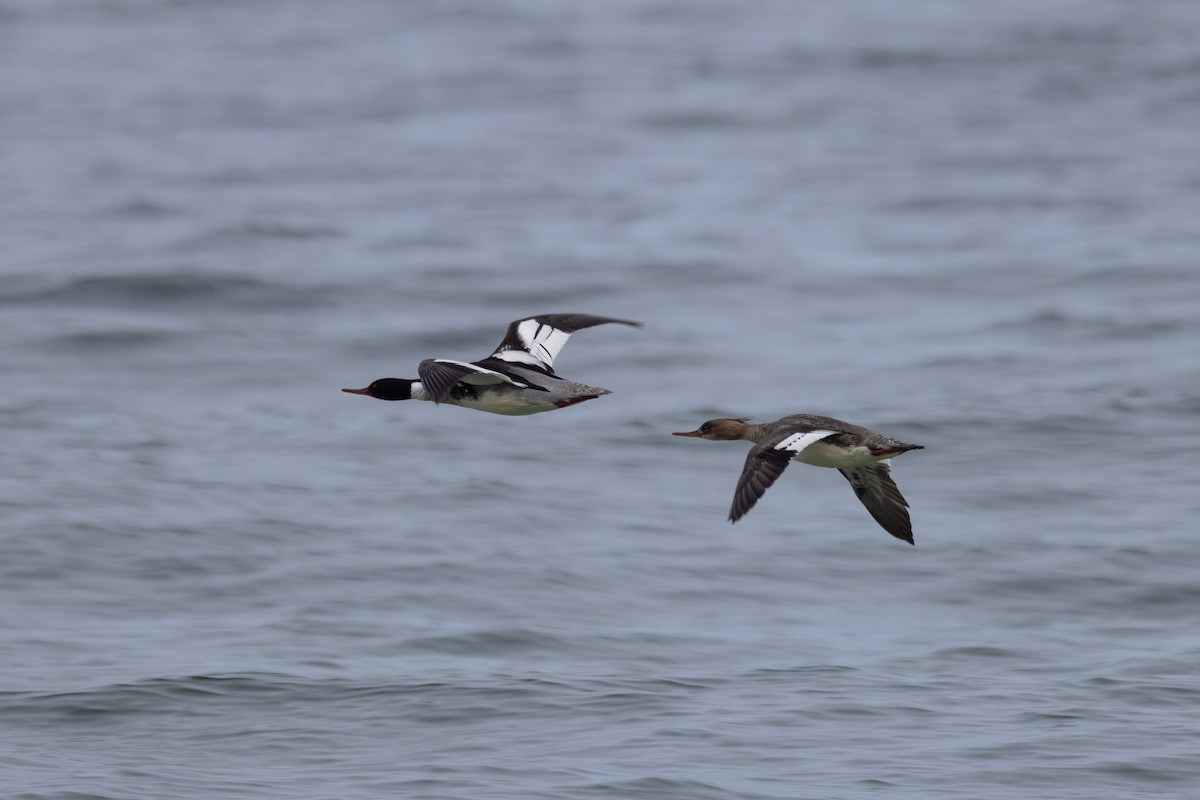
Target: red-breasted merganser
[862,455]
[516,379]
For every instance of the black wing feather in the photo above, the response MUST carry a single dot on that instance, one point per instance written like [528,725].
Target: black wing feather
[763,467]
[877,491]
[438,378]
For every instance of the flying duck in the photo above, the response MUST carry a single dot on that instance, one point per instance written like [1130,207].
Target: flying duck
[517,379]
[862,455]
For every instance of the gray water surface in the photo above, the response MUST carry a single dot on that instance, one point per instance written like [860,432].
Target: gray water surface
[967,225]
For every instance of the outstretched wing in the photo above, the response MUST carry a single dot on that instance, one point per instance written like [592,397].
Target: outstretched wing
[878,492]
[535,341]
[763,467]
[764,464]
[438,376]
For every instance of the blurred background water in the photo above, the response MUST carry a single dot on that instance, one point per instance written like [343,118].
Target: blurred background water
[969,225]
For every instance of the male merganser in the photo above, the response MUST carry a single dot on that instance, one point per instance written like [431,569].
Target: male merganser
[862,455]
[516,379]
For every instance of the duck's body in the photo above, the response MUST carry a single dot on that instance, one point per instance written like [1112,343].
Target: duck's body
[861,455]
[515,380]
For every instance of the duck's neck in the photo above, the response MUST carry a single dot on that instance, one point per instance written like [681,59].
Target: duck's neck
[754,433]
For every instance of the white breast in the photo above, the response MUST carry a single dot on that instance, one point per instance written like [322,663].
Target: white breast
[823,454]
[510,404]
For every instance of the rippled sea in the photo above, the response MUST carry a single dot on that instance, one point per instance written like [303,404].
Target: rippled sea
[969,225]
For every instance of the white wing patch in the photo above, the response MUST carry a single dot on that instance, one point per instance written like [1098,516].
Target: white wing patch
[541,342]
[519,357]
[797,442]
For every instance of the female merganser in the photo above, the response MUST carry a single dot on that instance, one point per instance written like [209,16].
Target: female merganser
[862,455]
[516,379]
